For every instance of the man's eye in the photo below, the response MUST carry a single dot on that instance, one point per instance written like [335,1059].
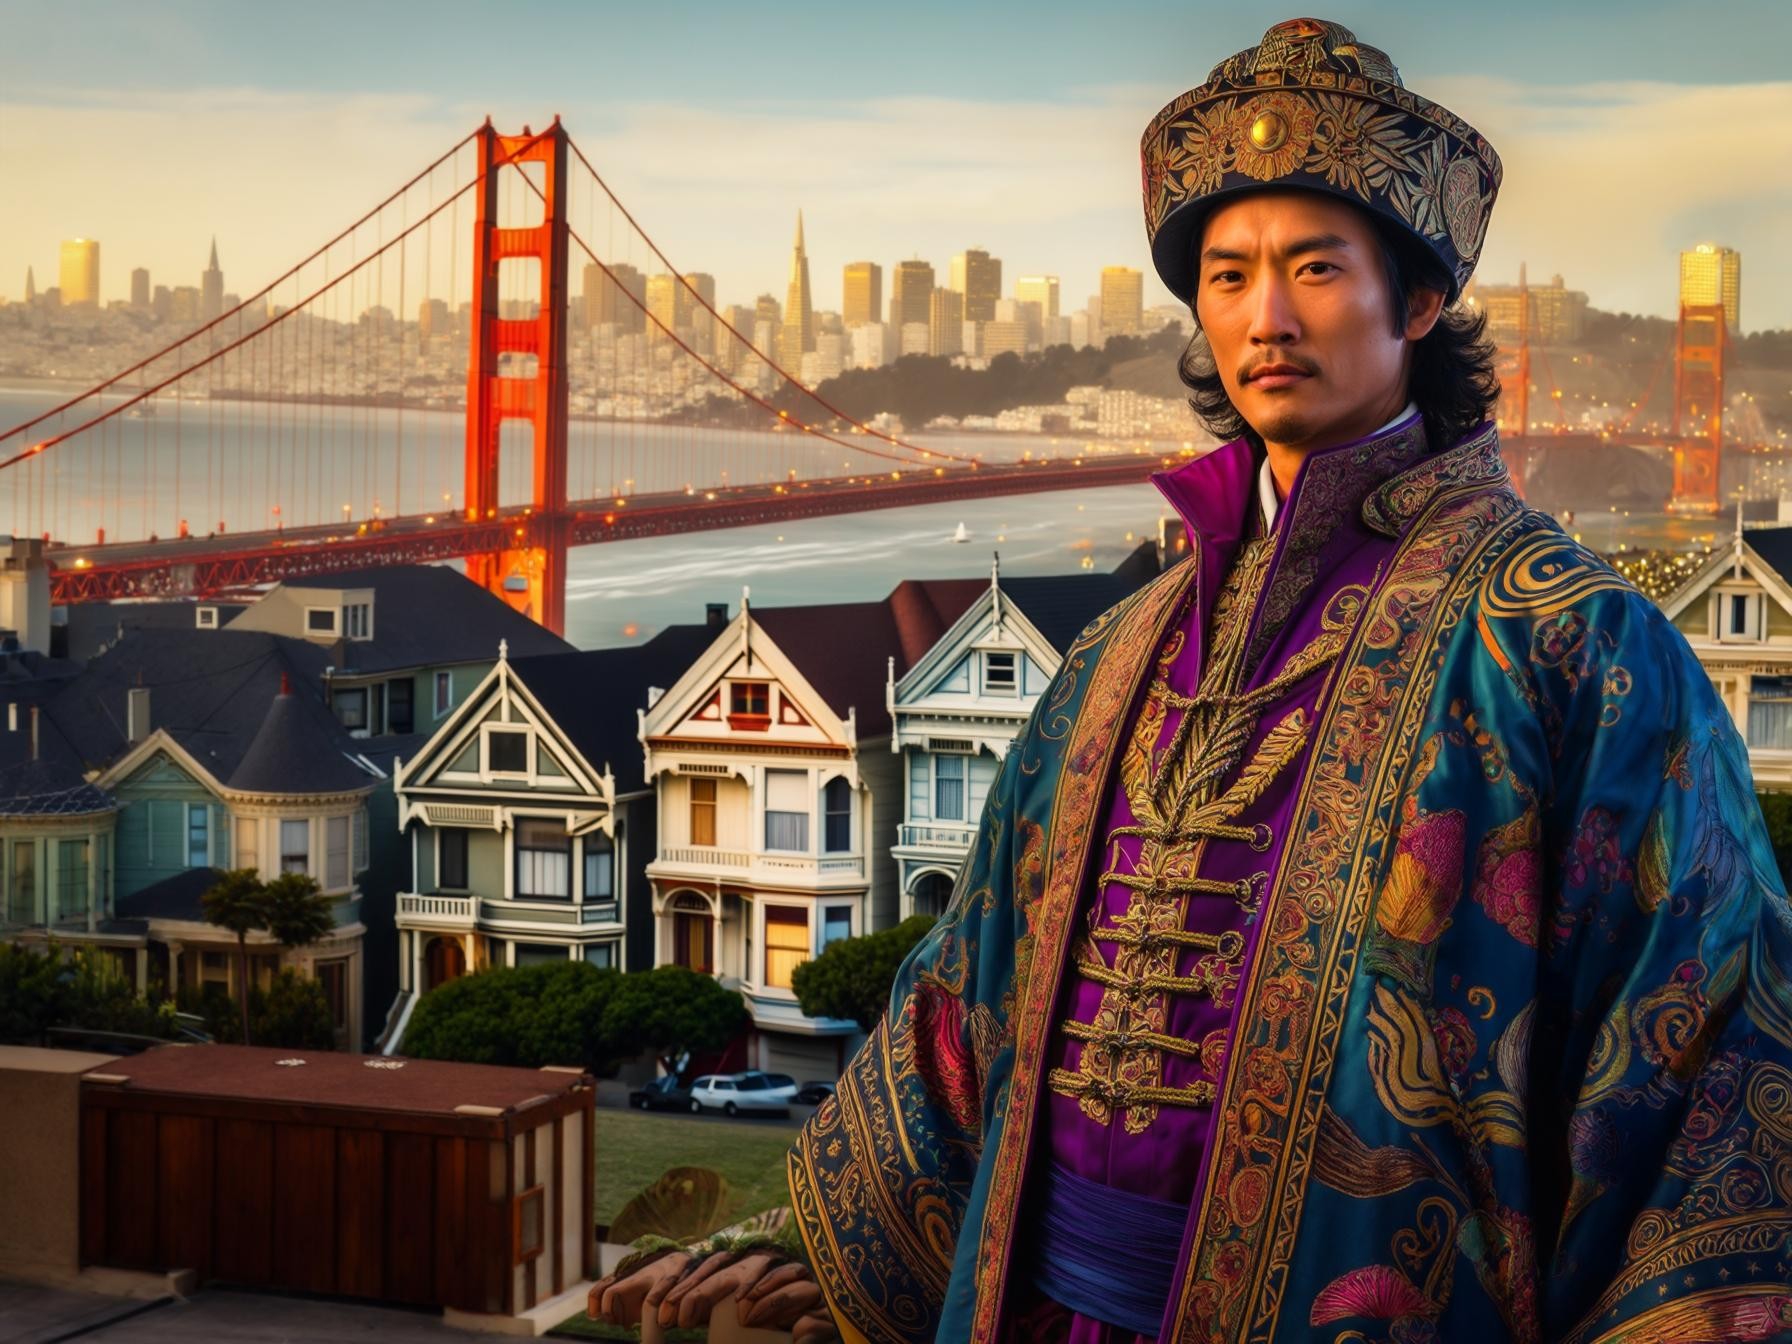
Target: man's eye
[1223,277]
[1324,267]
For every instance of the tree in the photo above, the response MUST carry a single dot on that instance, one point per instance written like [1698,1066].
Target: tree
[291,909]
[852,977]
[295,912]
[293,1013]
[673,1011]
[522,1015]
[235,902]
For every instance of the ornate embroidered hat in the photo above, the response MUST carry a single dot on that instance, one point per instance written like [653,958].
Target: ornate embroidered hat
[1310,106]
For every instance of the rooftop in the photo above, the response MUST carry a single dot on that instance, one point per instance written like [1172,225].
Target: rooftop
[326,1078]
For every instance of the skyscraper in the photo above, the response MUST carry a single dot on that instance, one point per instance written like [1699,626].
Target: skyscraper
[912,297]
[945,322]
[140,287]
[80,272]
[669,303]
[1709,275]
[211,288]
[797,337]
[30,285]
[703,337]
[1122,301]
[607,301]
[1039,289]
[977,276]
[863,299]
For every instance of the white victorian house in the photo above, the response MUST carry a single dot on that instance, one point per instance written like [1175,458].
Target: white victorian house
[959,706]
[777,791]
[1736,612]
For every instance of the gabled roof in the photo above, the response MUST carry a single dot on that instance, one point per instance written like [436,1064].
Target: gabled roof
[844,649]
[209,690]
[430,616]
[592,696]
[297,750]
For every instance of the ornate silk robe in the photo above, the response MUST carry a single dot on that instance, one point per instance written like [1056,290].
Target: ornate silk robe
[1469,1017]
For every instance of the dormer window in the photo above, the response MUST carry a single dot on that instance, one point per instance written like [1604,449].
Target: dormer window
[1738,616]
[321,621]
[507,752]
[999,674]
[207,618]
[357,620]
[749,705]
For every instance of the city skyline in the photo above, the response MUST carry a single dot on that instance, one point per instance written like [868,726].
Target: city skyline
[1046,182]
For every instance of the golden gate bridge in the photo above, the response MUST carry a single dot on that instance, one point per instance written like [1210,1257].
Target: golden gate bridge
[241,422]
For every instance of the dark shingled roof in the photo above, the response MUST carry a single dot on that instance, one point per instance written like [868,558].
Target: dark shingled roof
[430,615]
[94,625]
[210,690]
[1774,545]
[1059,606]
[844,649]
[297,749]
[593,695]
[48,788]
[176,897]
[327,1078]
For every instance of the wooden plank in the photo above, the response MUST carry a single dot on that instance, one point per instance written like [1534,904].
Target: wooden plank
[465,1126]
[94,1176]
[411,1222]
[305,1208]
[528,1184]
[360,1213]
[557,1208]
[131,1191]
[184,1177]
[456,1284]
[243,1250]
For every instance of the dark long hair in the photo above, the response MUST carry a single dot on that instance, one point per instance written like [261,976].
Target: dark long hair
[1452,379]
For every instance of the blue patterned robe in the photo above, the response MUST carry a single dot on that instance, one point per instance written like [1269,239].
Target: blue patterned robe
[1514,1060]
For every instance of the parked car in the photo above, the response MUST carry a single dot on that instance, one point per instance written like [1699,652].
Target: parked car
[814,1093]
[662,1094]
[777,1082]
[733,1093]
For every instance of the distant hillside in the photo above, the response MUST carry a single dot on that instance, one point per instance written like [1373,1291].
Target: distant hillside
[920,387]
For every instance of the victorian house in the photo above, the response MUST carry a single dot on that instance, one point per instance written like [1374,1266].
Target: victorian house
[1736,612]
[777,795]
[164,762]
[528,821]
[956,709]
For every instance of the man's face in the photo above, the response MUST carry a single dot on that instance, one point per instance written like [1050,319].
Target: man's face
[1293,296]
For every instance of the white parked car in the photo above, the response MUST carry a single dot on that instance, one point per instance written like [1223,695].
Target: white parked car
[733,1093]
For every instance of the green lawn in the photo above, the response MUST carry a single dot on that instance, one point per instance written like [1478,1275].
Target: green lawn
[634,1148]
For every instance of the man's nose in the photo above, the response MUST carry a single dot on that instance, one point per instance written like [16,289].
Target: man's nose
[1272,312]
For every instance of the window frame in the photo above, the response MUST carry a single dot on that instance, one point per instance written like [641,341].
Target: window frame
[287,856]
[962,779]
[991,686]
[410,705]
[698,806]
[203,813]
[786,815]
[444,694]
[783,917]
[554,827]
[333,617]
[341,698]
[830,814]
[493,730]
[443,834]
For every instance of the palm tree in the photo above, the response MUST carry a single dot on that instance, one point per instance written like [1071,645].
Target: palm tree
[236,901]
[295,911]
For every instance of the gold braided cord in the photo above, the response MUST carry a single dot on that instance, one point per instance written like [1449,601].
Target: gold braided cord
[1137,882]
[1126,1096]
[1157,982]
[1118,1042]
[1150,938]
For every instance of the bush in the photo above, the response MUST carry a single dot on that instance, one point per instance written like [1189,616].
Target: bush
[291,1014]
[522,1015]
[852,977]
[48,988]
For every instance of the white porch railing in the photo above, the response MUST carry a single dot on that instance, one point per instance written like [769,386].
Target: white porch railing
[441,909]
[937,837]
[704,856]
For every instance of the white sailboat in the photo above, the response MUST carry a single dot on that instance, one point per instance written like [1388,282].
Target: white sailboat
[962,534]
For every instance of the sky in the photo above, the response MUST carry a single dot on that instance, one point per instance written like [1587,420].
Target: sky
[1628,130]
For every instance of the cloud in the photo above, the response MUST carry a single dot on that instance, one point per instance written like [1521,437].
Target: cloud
[1605,183]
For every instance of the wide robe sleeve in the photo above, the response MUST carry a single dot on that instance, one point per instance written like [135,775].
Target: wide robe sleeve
[882,1173]
[1661,1068]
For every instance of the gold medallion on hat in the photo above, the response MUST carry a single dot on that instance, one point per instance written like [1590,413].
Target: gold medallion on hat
[1274,132]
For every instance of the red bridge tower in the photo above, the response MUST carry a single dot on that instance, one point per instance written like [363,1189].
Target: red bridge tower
[1698,408]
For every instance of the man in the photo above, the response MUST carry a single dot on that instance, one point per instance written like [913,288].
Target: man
[1373,935]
